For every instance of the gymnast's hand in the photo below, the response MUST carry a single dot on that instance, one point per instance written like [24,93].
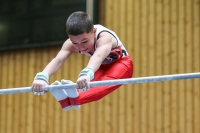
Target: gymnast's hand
[38,87]
[40,81]
[82,84]
[84,78]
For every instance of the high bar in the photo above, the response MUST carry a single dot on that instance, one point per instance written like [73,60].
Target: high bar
[109,82]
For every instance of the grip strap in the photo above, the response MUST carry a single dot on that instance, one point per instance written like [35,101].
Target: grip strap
[42,76]
[87,71]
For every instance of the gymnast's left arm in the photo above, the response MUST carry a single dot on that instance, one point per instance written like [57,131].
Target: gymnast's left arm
[104,46]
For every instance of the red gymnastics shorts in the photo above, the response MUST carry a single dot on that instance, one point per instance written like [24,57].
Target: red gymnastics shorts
[122,68]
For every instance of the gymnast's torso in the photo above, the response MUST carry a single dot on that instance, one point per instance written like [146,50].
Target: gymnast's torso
[117,52]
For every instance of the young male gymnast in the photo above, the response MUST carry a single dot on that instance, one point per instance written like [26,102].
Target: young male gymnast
[109,60]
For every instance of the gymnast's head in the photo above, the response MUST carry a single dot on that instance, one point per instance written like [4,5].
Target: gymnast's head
[81,31]
[79,23]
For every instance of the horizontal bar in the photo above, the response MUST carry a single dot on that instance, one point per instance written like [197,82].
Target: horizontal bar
[109,82]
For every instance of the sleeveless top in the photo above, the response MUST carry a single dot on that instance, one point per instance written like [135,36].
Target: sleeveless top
[116,53]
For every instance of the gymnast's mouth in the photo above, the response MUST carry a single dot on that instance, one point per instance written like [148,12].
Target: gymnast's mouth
[85,50]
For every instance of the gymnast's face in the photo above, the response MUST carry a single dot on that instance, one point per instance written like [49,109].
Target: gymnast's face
[84,42]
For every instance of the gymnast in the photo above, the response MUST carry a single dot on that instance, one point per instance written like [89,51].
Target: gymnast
[109,60]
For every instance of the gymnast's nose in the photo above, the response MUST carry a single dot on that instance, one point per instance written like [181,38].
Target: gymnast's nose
[81,47]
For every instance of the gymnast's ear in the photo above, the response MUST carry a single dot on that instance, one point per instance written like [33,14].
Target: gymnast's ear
[94,30]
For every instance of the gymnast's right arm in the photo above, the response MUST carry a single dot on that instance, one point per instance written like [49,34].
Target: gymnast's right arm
[42,78]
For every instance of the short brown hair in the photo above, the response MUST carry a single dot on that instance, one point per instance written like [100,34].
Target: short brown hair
[79,23]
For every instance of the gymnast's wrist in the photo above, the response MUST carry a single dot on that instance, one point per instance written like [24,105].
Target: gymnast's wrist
[87,71]
[42,76]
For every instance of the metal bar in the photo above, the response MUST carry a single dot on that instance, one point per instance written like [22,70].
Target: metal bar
[109,82]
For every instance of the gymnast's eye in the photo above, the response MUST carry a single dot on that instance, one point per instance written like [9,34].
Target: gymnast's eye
[84,42]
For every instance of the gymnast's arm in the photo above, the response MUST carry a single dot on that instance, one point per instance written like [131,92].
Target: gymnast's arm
[104,45]
[61,57]
[42,78]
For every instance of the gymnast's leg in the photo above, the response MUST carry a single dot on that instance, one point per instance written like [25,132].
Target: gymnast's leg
[123,68]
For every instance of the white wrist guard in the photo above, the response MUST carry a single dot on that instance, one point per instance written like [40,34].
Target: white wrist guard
[42,76]
[87,71]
